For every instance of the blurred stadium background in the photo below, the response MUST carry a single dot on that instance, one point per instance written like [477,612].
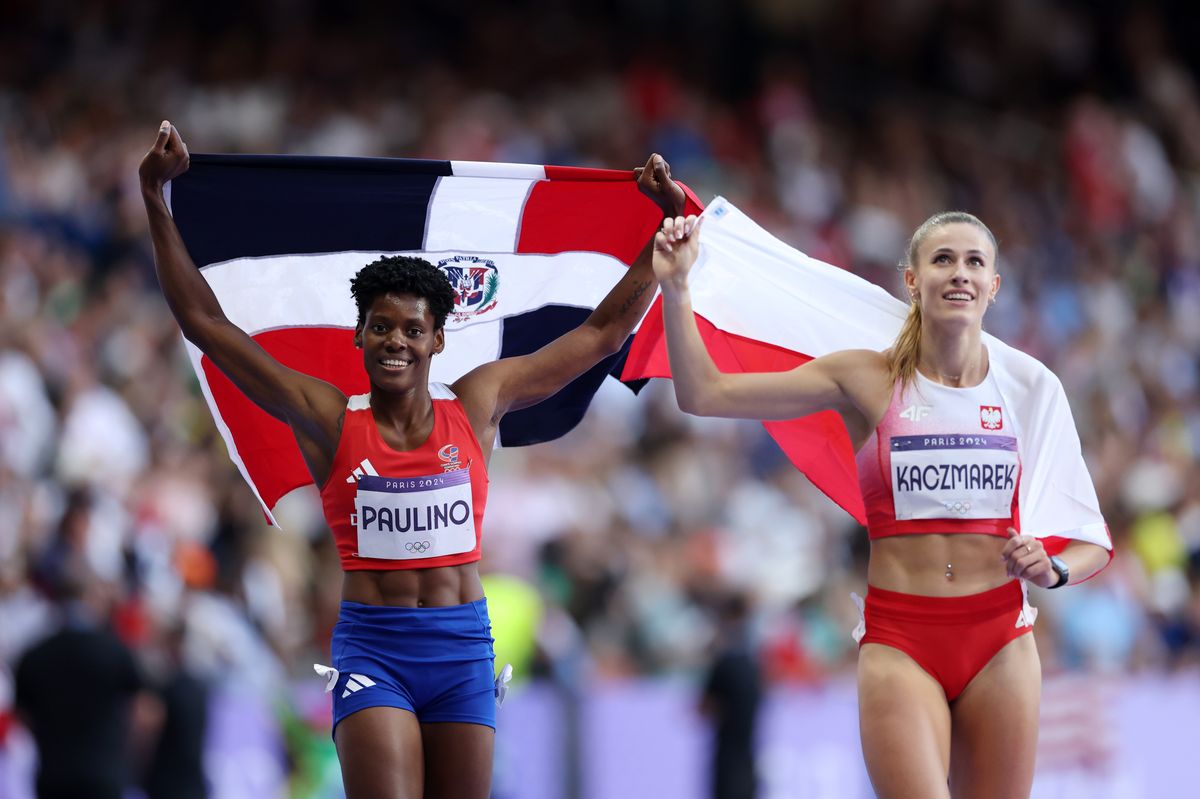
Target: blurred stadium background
[1072,128]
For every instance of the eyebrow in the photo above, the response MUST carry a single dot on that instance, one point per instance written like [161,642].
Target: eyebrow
[952,250]
[399,318]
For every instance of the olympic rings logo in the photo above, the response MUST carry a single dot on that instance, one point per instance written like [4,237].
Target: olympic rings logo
[418,546]
[958,506]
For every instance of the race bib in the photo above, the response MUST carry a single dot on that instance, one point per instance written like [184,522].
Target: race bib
[954,476]
[401,518]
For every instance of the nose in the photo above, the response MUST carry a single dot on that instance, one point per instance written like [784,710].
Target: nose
[395,340]
[960,271]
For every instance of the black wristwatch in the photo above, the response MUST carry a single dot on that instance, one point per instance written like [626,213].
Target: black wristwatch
[1060,568]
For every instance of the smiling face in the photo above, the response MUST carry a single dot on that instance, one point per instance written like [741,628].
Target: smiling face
[953,274]
[398,339]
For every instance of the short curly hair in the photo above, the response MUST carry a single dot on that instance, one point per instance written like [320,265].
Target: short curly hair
[403,274]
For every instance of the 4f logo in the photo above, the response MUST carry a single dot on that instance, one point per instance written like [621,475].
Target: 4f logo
[991,417]
[915,413]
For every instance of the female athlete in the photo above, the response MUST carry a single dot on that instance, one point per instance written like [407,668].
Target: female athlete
[949,681]
[403,479]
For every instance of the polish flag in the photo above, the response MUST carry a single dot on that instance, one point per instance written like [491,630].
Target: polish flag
[763,306]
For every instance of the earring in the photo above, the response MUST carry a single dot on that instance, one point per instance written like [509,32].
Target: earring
[992,300]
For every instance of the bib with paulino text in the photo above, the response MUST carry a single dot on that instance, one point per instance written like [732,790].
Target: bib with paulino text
[401,518]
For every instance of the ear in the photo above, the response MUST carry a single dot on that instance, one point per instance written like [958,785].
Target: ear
[910,280]
[995,288]
[439,340]
[358,331]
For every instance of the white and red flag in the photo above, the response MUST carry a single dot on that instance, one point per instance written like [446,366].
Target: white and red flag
[763,306]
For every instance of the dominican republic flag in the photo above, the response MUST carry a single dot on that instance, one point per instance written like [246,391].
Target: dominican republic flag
[763,306]
[530,251]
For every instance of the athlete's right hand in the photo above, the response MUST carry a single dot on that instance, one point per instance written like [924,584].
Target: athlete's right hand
[676,246]
[167,159]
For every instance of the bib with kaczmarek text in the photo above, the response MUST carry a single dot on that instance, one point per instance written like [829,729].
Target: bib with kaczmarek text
[954,476]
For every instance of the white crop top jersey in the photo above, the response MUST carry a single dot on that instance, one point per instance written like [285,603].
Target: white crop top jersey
[942,460]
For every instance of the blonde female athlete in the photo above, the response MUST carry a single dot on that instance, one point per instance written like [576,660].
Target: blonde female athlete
[414,703]
[949,682]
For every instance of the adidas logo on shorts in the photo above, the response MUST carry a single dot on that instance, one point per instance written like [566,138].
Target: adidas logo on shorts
[355,683]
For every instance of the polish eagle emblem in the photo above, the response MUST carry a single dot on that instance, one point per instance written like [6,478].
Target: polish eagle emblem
[991,417]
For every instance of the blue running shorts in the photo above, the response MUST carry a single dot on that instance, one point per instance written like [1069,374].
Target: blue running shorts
[437,663]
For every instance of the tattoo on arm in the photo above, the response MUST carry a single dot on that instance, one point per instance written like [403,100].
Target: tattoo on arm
[638,290]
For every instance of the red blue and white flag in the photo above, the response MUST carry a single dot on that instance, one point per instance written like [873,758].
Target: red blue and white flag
[530,251]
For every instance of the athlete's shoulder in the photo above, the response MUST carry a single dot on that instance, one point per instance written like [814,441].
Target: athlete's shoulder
[863,368]
[855,359]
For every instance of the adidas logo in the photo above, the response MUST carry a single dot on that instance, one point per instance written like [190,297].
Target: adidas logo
[355,683]
[363,468]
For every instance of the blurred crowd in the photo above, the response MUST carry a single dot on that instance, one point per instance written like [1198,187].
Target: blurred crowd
[1072,130]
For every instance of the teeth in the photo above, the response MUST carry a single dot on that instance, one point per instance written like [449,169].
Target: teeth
[958,296]
[394,364]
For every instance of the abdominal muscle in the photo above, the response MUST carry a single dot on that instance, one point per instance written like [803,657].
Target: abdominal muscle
[438,587]
[917,564]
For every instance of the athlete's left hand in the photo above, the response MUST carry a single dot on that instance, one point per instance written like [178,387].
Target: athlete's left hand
[1026,558]
[654,181]
[167,159]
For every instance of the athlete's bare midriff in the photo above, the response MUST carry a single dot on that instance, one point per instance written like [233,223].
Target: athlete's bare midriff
[438,587]
[917,564]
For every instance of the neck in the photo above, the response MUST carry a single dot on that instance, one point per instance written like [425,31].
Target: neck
[953,359]
[401,409]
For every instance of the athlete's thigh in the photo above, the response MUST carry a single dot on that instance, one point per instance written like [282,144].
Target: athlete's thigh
[995,718]
[904,722]
[379,749]
[458,760]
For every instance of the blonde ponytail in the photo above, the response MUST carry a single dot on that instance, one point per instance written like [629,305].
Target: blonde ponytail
[906,350]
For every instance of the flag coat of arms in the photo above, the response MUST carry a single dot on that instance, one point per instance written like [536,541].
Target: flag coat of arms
[763,306]
[529,251]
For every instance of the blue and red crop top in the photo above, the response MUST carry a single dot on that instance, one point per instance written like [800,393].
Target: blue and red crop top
[942,460]
[414,509]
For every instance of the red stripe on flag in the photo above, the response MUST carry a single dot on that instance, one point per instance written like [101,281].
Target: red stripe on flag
[602,215]
[587,173]
[266,446]
[817,445]
[1055,545]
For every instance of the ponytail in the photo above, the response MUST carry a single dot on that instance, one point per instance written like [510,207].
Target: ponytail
[906,350]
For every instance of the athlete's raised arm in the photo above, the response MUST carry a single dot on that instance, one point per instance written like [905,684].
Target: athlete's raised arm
[853,382]
[493,389]
[311,407]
